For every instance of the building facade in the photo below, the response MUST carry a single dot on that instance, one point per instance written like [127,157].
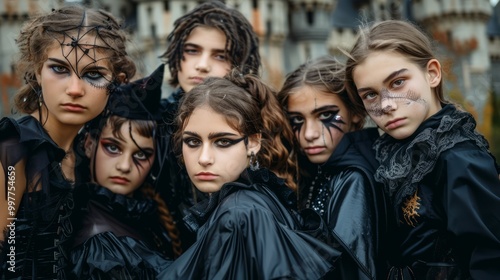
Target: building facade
[467,33]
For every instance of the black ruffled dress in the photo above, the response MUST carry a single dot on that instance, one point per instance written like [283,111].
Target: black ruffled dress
[116,237]
[42,225]
[249,231]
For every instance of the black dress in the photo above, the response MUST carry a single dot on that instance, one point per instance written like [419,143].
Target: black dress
[116,237]
[249,231]
[444,190]
[42,224]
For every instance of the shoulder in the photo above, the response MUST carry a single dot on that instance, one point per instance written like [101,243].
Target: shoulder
[465,153]
[244,204]
[245,199]
[356,150]
[353,181]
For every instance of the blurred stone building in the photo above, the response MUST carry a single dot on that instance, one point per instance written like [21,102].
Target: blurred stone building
[467,33]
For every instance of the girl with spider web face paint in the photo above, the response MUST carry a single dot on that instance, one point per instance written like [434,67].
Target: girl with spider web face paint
[70,59]
[434,166]
[336,163]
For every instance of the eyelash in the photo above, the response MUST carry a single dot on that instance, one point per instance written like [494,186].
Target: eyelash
[93,78]
[109,146]
[218,56]
[227,142]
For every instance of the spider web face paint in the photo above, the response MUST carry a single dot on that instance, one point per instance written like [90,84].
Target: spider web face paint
[85,43]
[376,109]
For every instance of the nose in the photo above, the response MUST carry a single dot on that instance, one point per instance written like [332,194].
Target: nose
[206,156]
[388,102]
[312,130]
[203,63]
[124,165]
[75,86]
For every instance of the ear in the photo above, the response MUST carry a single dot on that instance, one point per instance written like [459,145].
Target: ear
[88,145]
[254,143]
[122,78]
[355,119]
[434,72]
[38,76]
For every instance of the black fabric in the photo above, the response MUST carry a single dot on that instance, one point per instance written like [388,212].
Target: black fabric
[405,163]
[43,225]
[173,183]
[354,206]
[140,99]
[248,232]
[117,237]
[448,209]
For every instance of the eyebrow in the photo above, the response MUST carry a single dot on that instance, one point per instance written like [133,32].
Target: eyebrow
[320,109]
[93,67]
[57,60]
[211,135]
[193,45]
[388,78]
[113,139]
[119,142]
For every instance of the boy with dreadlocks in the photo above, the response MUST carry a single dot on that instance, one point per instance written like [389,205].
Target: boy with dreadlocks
[71,60]
[210,40]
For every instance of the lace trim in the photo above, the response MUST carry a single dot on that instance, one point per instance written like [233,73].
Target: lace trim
[403,164]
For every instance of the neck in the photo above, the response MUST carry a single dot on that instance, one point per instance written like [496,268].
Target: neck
[62,134]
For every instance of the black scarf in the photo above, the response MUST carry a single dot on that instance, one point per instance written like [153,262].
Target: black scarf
[404,163]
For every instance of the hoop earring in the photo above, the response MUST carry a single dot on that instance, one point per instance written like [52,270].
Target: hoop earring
[254,163]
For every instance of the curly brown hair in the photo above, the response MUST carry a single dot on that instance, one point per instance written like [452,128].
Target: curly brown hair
[250,107]
[41,32]
[242,43]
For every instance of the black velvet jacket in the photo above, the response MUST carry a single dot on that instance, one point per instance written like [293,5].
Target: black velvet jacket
[444,189]
[249,231]
[353,206]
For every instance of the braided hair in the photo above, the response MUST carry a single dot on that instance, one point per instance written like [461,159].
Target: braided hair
[165,219]
[242,43]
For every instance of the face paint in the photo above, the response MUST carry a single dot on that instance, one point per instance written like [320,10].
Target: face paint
[319,121]
[84,49]
[387,98]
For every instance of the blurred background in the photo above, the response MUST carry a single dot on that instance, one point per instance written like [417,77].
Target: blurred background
[466,33]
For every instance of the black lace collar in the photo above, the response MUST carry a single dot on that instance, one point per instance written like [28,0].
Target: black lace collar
[403,164]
